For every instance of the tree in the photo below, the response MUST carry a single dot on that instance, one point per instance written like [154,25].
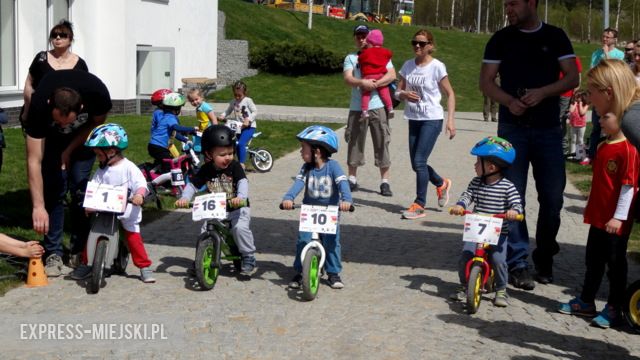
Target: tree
[453,9]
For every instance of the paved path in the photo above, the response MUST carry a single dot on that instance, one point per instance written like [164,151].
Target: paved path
[398,275]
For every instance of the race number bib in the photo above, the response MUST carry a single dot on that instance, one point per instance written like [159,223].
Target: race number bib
[234,125]
[105,197]
[319,219]
[481,229]
[210,206]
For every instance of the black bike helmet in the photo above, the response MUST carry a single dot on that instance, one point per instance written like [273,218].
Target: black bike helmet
[217,135]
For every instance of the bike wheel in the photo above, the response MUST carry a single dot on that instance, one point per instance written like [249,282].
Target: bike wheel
[237,264]
[311,274]
[207,270]
[121,261]
[474,289]
[97,271]
[632,305]
[262,160]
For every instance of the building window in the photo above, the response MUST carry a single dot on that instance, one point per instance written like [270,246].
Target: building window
[58,10]
[7,43]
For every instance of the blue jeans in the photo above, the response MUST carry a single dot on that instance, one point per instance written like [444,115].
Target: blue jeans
[542,148]
[243,139]
[497,258]
[331,244]
[422,139]
[56,183]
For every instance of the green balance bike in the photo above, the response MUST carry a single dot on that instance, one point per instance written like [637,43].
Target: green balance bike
[213,246]
[312,258]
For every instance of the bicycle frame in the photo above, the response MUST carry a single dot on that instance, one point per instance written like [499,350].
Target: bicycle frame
[220,231]
[481,256]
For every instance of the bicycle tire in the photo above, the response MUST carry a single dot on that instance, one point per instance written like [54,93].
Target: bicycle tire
[474,288]
[632,306]
[262,160]
[311,274]
[207,270]
[97,271]
[121,261]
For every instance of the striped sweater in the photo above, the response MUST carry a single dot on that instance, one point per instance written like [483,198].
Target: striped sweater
[494,198]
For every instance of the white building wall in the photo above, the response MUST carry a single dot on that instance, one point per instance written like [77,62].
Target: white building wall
[107,33]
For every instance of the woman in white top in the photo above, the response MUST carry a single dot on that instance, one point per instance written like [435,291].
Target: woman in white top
[421,81]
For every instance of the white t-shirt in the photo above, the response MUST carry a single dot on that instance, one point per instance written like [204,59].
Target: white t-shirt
[425,81]
[124,173]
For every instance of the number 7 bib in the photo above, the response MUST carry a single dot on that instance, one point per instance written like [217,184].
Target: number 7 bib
[481,229]
[319,219]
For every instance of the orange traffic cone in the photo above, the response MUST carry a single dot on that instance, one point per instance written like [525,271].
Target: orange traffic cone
[36,276]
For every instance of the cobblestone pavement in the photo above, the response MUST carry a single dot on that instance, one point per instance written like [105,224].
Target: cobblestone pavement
[398,276]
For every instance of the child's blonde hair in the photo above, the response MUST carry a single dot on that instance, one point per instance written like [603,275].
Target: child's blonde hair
[195,92]
[615,75]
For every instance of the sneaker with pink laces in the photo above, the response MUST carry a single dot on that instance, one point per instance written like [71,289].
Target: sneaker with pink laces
[443,192]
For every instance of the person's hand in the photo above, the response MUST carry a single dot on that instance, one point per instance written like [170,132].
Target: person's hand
[367,84]
[137,199]
[533,97]
[517,107]
[33,249]
[451,129]
[345,206]
[182,203]
[612,226]
[287,204]
[221,117]
[511,215]
[456,210]
[411,96]
[40,219]
[236,202]
[246,123]
[65,159]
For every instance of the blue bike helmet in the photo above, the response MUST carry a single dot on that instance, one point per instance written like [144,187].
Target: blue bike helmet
[106,136]
[317,135]
[495,149]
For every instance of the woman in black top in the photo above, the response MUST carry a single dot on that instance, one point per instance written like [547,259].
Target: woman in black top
[59,57]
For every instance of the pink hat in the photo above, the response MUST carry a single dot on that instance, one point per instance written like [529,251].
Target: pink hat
[375,37]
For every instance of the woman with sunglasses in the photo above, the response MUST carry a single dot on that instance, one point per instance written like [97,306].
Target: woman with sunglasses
[59,57]
[421,80]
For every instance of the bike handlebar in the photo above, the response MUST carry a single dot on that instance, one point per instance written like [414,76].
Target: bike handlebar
[297,206]
[519,217]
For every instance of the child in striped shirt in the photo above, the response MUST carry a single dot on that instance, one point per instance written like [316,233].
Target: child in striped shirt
[491,193]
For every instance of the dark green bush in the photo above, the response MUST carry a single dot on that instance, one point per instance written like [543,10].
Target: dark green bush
[295,59]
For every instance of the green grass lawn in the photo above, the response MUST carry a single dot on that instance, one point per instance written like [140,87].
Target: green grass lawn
[460,51]
[277,137]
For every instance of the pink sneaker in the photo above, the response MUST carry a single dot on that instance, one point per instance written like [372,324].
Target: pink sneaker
[586,161]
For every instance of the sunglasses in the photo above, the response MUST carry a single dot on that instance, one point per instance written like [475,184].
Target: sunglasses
[631,49]
[421,43]
[62,35]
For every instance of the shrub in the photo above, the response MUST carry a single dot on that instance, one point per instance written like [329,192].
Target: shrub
[295,59]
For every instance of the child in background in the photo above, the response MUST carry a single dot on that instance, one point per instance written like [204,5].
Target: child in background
[240,117]
[324,183]
[163,129]
[108,141]
[491,193]
[577,121]
[373,62]
[611,87]
[221,173]
[204,114]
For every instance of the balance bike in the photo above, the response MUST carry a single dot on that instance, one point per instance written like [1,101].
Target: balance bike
[217,242]
[479,273]
[181,167]
[317,220]
[105,251]
[261,159]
